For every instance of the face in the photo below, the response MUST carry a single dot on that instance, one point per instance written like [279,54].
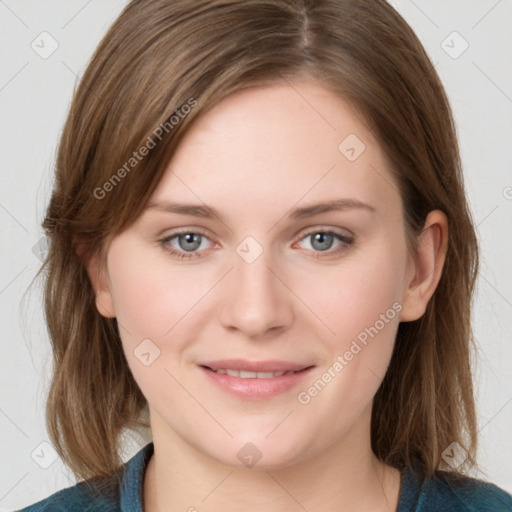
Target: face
[266,313]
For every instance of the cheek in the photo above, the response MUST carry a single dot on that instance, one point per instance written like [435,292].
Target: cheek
[353,297]
[154,303]
[362,309]
[151,296]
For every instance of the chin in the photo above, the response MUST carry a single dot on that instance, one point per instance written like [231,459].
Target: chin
[257,453]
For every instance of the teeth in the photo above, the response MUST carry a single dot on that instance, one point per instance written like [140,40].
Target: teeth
[251,375]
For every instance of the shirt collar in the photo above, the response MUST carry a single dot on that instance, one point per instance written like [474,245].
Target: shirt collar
[132,483]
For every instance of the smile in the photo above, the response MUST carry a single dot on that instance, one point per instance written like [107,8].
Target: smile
[254,380]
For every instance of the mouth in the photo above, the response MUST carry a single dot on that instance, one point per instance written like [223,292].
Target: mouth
[255,379]
[250,375]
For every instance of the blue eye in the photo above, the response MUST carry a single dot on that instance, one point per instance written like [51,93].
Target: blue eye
[322,241]
[188,243]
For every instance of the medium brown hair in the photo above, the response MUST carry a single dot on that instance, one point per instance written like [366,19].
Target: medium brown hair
[160,55]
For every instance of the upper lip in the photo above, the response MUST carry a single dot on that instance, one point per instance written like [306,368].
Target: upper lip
[255,366]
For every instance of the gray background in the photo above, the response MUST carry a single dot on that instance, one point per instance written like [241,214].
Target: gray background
[34,97]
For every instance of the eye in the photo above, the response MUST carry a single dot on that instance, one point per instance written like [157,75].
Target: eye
[186,244]
[321,241]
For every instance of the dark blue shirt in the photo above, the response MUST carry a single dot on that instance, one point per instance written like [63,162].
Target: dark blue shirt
[123,493]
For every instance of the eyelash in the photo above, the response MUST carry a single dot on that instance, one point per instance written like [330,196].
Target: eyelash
[346,241]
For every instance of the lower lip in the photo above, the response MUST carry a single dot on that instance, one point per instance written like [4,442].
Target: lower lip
[256,389]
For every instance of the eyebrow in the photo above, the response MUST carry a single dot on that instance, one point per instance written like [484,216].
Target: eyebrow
[208,212]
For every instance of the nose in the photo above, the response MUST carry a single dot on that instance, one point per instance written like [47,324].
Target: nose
[258,300]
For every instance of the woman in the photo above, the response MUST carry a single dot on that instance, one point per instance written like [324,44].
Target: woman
[261,247]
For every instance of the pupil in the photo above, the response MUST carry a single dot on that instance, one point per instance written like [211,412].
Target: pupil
[324,239]
[190,238]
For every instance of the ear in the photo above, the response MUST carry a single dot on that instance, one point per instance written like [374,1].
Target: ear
[99,279]
[426,266]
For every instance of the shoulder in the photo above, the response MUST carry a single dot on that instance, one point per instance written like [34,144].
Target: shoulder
[100,495]
[118,492]
[468,494]
[446,492]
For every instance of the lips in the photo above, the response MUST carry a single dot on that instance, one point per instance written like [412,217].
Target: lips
[255,379]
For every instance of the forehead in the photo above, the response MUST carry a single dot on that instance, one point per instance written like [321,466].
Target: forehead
[296,141]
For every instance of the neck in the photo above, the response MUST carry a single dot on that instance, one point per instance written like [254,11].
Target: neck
[345,477]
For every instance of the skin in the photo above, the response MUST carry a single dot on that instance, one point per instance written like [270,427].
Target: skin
[255,156]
